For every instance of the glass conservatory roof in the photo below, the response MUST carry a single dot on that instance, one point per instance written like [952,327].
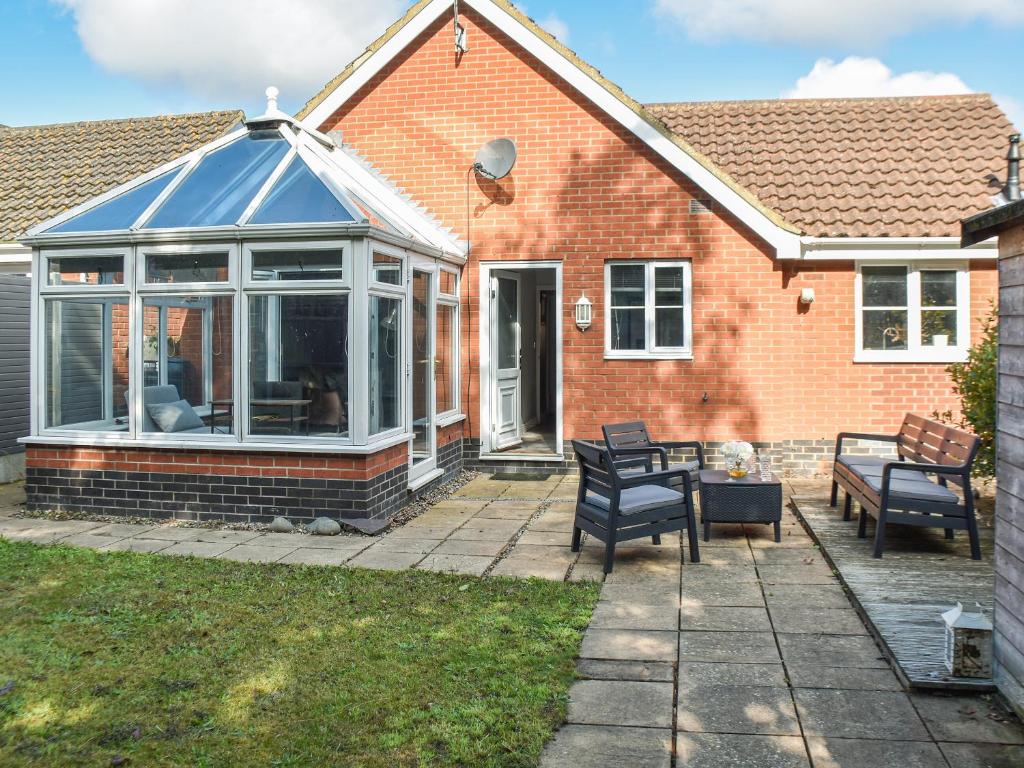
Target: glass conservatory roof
[274,171]
[224,186]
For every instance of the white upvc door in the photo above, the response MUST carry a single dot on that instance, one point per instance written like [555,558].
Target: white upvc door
[422,308]
[506,360]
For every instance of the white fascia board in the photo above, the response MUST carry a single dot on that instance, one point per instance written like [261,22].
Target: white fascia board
[15,258]
[894,249]
[137,181]
[786,244]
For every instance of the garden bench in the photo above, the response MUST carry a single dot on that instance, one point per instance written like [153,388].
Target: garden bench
[612,507]
[913,487]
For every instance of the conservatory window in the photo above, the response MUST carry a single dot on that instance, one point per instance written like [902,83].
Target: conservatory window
[912,312]
[299,197]
[85,341]
[187,365]
[122,211]
[387,269]
[299,364]
[290,265]
[386,383]
[187,267]
[85,270]
[446,373]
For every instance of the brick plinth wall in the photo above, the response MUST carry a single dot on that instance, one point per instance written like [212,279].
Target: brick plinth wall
[216,485]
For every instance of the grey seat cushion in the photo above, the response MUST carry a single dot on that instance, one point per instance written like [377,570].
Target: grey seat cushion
[854,461]
[639,499]
[902,489]
[178,416]
[693,467]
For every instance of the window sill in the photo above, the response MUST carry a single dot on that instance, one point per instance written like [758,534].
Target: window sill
[116,441]
[446,420]
[899,358]
[649,356]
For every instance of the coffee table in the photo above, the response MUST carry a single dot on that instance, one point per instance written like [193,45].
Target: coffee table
[749,499]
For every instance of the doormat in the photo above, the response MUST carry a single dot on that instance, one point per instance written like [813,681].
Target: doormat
[520,476]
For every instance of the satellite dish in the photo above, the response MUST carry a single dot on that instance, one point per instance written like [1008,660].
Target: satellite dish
[495,159]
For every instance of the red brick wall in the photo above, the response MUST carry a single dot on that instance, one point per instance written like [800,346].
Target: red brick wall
[235,463]
[585,191]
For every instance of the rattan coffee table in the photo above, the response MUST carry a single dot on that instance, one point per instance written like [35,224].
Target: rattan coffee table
[749,499]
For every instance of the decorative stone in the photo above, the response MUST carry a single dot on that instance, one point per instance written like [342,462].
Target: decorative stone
[324,526]
[281,525]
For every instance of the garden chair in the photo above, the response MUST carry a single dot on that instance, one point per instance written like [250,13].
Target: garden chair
[620,438]
[613,507]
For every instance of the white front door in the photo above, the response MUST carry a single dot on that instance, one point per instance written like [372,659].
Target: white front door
[506,360]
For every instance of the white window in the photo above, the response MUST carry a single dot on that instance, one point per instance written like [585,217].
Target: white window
[648,310]
[917,312]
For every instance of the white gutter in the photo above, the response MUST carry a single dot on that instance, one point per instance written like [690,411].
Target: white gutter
[893,248]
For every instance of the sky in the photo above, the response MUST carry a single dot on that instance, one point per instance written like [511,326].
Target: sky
[67,60]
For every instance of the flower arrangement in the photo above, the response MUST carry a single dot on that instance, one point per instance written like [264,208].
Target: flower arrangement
[737,454]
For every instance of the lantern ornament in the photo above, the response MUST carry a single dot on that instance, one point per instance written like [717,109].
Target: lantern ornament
[968,642]
[584,312]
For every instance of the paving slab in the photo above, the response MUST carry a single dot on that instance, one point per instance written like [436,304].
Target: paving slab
[850,678]
[640,671]
[412,546]
[737,709]
[737,647]
[617,615]
[720,750]
[864,753]
[487,529]
[553,521]
[490,549]
[724,619]
[256,553]
[472,565]
[121,530]
[788,556]
[859,715]
[833,621]
[716,557]
[227,537]
[171,533]
[89,540]
[701,673]
[384,560]
[305,541]
[622,703]
[831,651]
[983,755]
[968,718]
[589,746]
[806,595]
[518,510]
[546,538]
[727,574]
[136,545]
[639,594]
[436,532]
[813,573]
[525,568]
[316,556]
[629,645]
[719,593]
[197,548]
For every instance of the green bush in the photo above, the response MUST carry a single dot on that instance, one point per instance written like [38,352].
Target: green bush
[974,382]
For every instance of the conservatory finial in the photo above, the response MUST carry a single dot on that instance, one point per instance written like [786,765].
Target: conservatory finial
[272,93]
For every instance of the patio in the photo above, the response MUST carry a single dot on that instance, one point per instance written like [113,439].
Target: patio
[755,654]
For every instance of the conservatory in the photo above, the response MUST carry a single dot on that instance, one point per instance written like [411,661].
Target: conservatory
[263,302]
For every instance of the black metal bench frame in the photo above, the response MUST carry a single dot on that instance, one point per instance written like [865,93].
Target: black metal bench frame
[925,446]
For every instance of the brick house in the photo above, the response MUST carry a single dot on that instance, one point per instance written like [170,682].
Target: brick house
[775,271]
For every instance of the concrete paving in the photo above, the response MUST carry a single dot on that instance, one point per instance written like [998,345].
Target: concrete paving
[753,657]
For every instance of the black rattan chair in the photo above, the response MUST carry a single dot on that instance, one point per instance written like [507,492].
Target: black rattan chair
[613,507]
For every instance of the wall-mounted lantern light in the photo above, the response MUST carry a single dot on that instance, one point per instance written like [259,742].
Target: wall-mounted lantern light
[807,296]
[584,313]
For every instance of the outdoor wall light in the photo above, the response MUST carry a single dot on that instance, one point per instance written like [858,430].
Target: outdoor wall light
[807,296]
[584,312]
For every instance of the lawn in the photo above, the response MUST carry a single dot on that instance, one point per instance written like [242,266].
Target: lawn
[145,660]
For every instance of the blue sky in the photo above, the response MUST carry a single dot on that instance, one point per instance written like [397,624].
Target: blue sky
[70,60]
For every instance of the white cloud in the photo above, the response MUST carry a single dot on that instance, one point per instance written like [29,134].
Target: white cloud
[828,21]
[556,27]
[230,48]
[856,76]
[1013,108]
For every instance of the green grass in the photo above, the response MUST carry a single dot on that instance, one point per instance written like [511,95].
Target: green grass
[143,660]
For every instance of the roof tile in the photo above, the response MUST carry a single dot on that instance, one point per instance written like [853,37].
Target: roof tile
[47,169]
[886,167]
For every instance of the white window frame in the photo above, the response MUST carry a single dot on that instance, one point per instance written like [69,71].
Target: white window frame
[252,288]
[450,300]
[651,350]
[401,293]
[144,251]
[915,352]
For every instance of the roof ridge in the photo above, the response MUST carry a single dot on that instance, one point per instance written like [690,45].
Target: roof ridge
[116,120]
[974,96]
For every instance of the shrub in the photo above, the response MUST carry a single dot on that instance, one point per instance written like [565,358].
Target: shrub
[974,382]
